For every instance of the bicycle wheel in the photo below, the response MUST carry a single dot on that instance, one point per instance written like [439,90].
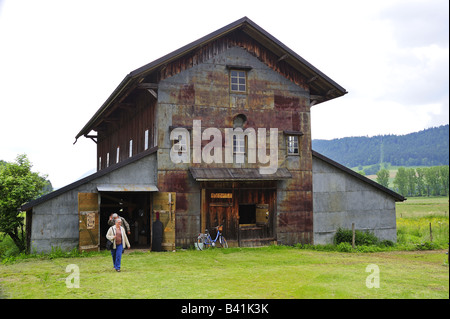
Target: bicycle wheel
[200,242]
[223,242]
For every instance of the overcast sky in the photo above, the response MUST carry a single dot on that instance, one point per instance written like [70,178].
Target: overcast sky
[60,60]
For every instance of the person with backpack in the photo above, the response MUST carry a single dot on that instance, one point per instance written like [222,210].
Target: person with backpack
[116,234]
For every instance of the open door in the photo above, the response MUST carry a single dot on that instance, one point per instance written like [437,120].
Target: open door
[88,222]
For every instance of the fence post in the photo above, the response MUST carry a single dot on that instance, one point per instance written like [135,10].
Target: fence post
[431,234]
[353,235]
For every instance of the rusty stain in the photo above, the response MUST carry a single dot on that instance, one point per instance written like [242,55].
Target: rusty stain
[182,203]
[284,102]
[187,93]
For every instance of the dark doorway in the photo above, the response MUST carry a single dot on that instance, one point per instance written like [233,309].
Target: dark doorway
[135,207]
[247,214]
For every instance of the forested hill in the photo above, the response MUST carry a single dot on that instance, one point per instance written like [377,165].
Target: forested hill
[429,147]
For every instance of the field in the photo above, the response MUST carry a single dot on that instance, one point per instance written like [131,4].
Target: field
[417,215]
[246,273]
[270,272]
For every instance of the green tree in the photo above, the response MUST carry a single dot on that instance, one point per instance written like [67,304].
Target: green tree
[18,185]
[421,189]
[383,177]
[444,178]
[432,180]
[412,181]
[401,181]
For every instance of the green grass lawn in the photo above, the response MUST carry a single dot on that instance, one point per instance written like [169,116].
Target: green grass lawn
[253,273]
[243,273]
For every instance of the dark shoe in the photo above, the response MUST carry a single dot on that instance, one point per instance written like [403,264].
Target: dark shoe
[118,270]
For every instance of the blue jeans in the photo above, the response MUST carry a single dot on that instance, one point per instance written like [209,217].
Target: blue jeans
[117,256]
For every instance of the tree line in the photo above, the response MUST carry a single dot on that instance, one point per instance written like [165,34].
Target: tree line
[429,147]
[421,181]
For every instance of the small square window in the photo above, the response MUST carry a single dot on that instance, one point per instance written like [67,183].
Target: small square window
[238,81]
[292,145]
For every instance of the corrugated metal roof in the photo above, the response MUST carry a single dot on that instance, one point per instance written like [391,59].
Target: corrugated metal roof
[127,188]
[88,179]
[242,174]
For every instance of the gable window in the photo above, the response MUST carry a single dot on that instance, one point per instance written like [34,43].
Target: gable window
[238,81]
[292,145]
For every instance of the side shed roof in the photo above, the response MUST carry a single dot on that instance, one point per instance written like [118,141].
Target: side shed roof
[62,190]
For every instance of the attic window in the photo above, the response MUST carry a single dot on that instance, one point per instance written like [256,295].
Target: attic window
[238,81]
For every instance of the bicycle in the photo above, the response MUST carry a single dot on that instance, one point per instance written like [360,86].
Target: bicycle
[205,241]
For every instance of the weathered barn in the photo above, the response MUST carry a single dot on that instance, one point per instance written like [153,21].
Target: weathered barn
[164,150]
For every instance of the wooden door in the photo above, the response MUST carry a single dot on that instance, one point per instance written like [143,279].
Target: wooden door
[220,212]
[164,203]
[88,222]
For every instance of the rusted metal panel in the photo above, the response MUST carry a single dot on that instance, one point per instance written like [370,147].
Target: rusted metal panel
[234,39]
[217,174]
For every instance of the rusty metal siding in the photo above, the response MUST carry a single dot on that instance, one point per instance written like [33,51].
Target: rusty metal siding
[234,39]
[197,87]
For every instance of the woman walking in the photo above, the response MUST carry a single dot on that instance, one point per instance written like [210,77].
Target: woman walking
[116,234]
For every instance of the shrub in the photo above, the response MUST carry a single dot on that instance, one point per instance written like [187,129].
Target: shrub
[387,243]
[427,246]
[361,237]
[344,247]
